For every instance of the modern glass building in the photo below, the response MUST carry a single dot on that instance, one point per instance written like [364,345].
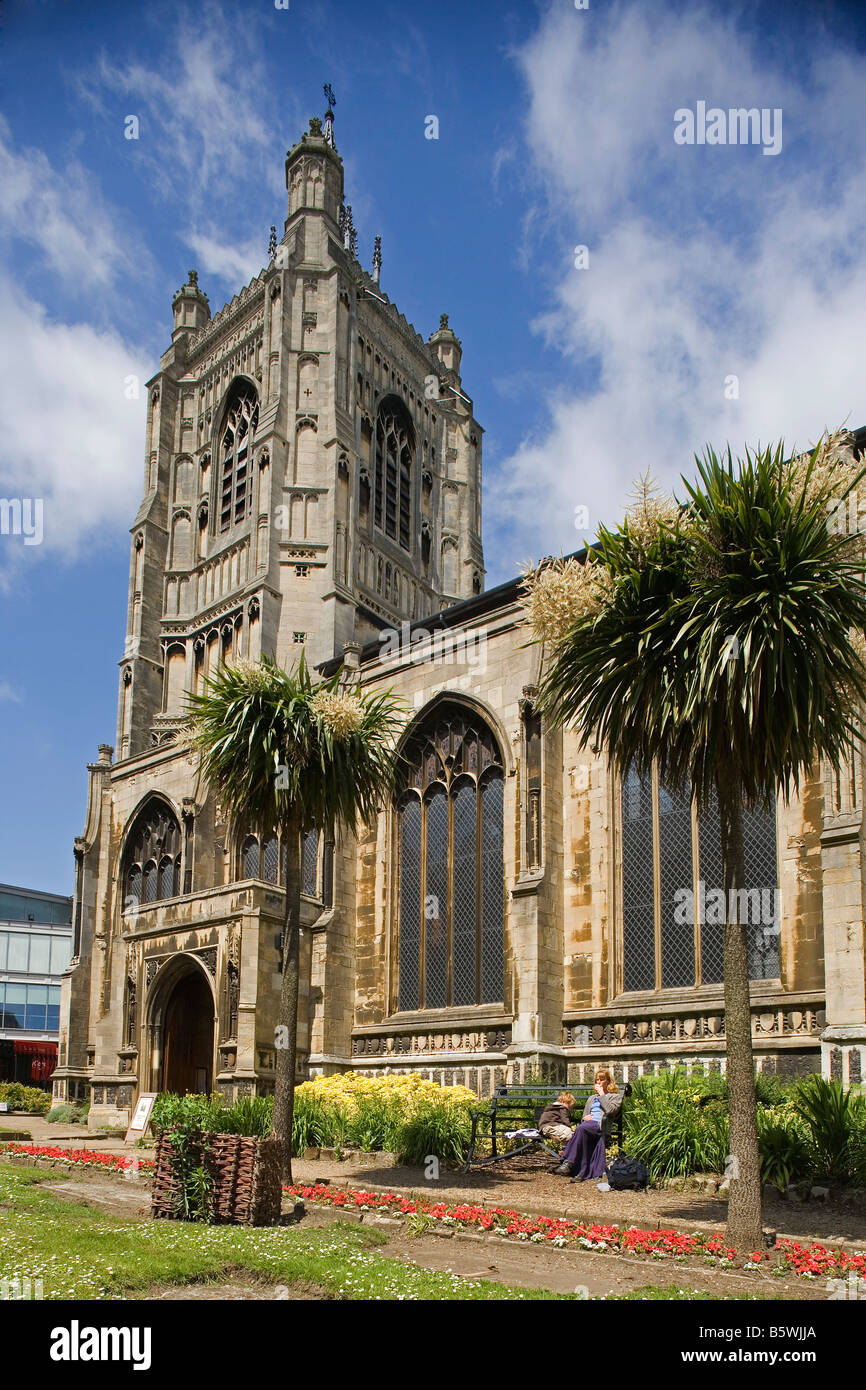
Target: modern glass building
[35,947]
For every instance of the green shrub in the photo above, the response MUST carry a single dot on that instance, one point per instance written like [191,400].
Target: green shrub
[31,1099]
[375,1124]
[675,1138]
[782,1147]
[772,1090]
[857,1148]
[313,1123]
[185,1112]
[833,1118]
[677,1124]
[64,1115]
[251,1116]
[441,1130]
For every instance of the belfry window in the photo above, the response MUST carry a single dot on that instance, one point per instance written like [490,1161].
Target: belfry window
[239,425]
[451,898]
[673,901]
[152,857]
[395,442]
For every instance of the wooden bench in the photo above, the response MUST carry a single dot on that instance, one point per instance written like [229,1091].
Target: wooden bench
[516,1110]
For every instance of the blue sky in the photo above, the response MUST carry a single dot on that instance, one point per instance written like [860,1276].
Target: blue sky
[705,263]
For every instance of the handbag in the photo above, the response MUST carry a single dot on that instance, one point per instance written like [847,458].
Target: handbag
[626,1174]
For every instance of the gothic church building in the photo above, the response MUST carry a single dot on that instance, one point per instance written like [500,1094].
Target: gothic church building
[312,483]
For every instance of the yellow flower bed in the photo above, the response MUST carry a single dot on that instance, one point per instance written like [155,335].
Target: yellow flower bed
[350,1090]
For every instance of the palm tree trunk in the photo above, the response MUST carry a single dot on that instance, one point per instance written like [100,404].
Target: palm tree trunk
[744,1229]
[286,1055]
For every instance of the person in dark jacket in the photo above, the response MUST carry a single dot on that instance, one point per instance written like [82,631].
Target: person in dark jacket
[584,1155]
[555,1120]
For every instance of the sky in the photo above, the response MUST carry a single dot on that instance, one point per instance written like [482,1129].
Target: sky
[624,296]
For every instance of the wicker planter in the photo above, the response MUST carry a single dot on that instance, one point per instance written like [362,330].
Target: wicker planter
[247,1180]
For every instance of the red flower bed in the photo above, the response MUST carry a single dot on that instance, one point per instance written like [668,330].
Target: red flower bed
[811,1261]
[90,1157]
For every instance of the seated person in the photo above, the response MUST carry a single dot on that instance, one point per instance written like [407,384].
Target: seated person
[584,1155]
[554,1120]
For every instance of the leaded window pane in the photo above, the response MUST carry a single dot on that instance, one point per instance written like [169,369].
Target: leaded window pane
[410,903]
[463,865]
[309,863]
[436,901]
[638,903]
[762,874]
[492,891]
[150,882]
[675,855]
[760,899]
[251,857]
[166,877]
[271,859]
[133,886]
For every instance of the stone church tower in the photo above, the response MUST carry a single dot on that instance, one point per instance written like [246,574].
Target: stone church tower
[312,468]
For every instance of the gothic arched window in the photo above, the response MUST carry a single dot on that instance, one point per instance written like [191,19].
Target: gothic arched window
[267,860]
[235,445]
[151,856]
[395,444]
[673,902]
[451,914]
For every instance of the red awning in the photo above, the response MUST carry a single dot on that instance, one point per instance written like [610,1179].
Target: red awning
[28,1048]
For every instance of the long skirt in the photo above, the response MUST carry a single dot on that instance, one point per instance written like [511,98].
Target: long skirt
[585,1151]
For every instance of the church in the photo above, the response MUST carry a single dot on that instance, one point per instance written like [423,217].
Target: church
[312,484]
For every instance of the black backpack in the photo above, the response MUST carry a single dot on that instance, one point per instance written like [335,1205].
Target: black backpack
[627,1173]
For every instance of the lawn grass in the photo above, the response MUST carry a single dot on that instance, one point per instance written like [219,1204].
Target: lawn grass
[80,1253]
[674,1293]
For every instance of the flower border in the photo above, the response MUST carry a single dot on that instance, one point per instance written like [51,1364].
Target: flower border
[809,1261]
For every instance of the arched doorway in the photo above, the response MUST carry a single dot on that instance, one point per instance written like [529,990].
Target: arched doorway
[188,1036]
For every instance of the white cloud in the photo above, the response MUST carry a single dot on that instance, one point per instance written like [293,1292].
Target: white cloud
[70,437]
[61,213]
[234,264]
[704,263]
[206,123]
[7,692]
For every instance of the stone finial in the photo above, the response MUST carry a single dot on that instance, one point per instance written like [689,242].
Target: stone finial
[272,243]
[351,661]
[377,258]
[350,236]
[316,125]
[443,321]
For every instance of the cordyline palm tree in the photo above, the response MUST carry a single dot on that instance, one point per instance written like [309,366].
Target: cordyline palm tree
[285,753]
[722,640]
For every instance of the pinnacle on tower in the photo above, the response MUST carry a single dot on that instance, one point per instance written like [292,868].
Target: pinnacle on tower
[190,306]
[329,114]
[350,236]
[377,258]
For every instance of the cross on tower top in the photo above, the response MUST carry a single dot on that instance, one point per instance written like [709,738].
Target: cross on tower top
[329,114]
